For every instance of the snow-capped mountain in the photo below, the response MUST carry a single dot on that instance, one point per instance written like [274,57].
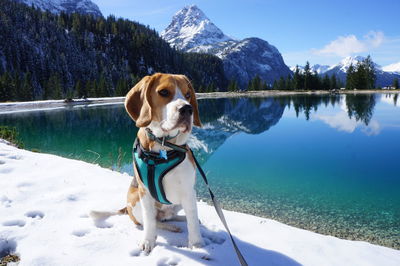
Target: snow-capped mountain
[346,62]
[190,27]
[395,68]
[191,31]
[383,78]
[68,6]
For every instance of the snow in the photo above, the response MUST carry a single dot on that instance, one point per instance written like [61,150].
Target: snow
[392,68]
[16,107]
[45,201]
[320,69]
[69,6]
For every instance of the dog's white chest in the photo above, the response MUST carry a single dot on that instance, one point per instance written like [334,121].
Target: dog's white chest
[179,182]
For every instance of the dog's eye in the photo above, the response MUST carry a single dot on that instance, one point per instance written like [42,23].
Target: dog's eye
[164,93]
[187,95]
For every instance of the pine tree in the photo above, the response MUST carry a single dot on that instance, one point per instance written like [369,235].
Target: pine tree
[275,85]
[361,76]
[281,84]
[307,76]
[101,86]
[7,89]
[289,83]
[325,83]
[396,83]
[333,82]
[233,86]
[298,80]
[26,90]
[370,75]
[256,83]
[350,78]
[81,91]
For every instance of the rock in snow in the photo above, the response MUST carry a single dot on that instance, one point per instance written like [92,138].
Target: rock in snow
[44,206]
[191,31]
[68,6]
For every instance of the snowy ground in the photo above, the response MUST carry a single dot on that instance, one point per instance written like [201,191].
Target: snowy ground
[44,206]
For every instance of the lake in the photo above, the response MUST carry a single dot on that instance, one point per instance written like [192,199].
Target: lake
[326,163]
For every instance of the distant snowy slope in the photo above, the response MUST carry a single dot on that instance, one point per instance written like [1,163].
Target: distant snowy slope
[345,63]
[383,78]
[392,68]
[68,6]
[190,27]
[319,69]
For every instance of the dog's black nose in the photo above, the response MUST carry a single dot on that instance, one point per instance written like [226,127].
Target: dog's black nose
[186,110]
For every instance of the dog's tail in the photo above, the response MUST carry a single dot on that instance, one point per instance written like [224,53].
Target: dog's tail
[104,215]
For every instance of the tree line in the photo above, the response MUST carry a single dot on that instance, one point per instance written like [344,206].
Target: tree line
[300,80]
[360,76]
[49,56]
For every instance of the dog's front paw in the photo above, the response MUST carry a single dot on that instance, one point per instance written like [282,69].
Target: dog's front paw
[196,244]
[147,245]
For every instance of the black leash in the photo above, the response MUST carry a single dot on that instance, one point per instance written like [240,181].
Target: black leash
[219,212]
[164,142]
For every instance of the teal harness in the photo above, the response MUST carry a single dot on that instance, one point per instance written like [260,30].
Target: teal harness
[152,168]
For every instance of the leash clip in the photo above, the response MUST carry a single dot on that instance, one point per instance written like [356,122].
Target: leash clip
[163,141]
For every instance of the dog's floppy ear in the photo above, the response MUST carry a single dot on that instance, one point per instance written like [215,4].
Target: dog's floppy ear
[137,103]
[193,102]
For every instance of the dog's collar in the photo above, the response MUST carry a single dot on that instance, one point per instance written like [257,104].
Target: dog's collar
[164,141]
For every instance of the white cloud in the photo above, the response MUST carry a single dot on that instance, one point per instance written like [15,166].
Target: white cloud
[350,44]
[342,122]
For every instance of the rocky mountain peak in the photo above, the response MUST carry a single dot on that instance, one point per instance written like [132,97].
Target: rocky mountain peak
[190,27]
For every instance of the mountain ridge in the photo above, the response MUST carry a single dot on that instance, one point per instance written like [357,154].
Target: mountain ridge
[383,76]
[67,6]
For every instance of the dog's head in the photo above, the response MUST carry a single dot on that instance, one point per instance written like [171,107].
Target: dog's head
[165,103]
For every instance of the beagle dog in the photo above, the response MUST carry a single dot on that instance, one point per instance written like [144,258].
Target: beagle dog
[166,105]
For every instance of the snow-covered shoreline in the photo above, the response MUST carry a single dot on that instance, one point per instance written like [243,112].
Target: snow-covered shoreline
[44,206]
[16,107]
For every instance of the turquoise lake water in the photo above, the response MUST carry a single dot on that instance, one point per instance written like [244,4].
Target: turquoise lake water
[326,163]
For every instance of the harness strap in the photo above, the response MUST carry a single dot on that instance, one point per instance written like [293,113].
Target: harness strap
[165,143]
[219,212]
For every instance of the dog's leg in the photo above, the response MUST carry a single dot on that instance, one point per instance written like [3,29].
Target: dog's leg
[190,207]
[149,222]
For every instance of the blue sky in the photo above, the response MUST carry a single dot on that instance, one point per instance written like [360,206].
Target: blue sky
[318,31]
